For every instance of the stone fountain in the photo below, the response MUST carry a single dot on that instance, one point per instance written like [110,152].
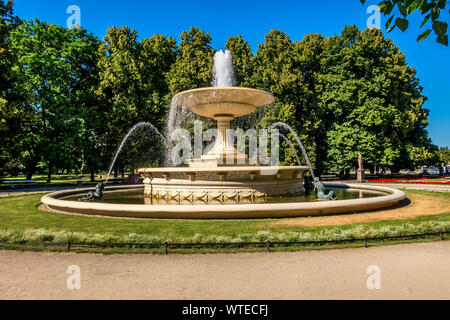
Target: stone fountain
[223,173]
[223,183]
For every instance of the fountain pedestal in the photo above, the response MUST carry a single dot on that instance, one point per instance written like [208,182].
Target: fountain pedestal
[223,152]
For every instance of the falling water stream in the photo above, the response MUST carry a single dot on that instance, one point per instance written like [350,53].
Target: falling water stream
[148,125]
[297,139]
[291,146]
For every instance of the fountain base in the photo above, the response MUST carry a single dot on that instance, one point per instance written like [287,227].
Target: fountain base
[223,152]
[222,160]
[224,183]
[58,202]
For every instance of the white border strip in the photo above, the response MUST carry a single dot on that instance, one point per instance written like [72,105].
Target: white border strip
[237,211]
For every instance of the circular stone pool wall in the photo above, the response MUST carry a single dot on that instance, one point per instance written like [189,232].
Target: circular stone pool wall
[232,182]
[236,211]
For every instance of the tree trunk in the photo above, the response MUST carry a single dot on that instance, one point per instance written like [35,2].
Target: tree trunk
[347,173]
[123,172]
[395,169]
[92,175]
[31,168]
[320,158]
[82,164]
[49,173]
[115,172]
[30,174]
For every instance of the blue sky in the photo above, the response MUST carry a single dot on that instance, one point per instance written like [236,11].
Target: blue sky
[254,19]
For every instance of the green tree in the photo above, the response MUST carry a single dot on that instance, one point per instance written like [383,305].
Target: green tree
[428,8]
[311,109]
[13,116]
[157,55]
[443,155]
[193,66]
[133,87]
[346,141]
[67,100]
[293,72]
[375,100]
[276,71]
[55,62]
[83,96]
[192,69]
[242,60]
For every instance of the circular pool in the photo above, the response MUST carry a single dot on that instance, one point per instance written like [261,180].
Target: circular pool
[129,202]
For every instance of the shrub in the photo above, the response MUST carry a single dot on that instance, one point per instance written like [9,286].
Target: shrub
[35,236]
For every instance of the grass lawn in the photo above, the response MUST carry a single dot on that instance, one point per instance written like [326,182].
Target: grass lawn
[41,181]
[19,215]
[57,180]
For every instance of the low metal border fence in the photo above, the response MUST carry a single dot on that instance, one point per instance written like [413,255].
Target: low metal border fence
[225,245]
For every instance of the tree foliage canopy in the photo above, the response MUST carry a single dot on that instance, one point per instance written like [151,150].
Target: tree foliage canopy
[428,9]
[67,99]
[56,64]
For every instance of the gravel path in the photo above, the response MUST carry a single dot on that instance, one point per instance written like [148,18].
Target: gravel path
[409,271]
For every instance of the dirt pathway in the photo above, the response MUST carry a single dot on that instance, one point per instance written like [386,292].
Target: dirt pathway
[410,271]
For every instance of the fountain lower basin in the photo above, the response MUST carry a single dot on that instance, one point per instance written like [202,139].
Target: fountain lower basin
[224,183]
[389,197]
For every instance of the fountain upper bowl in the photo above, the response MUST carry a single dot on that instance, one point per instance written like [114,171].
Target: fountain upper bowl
[217,102]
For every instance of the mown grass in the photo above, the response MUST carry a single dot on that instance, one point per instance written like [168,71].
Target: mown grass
[21,221]
[41,181]
[218,249]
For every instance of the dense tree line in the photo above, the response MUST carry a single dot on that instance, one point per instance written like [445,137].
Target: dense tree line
[345,94]
[67,98]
